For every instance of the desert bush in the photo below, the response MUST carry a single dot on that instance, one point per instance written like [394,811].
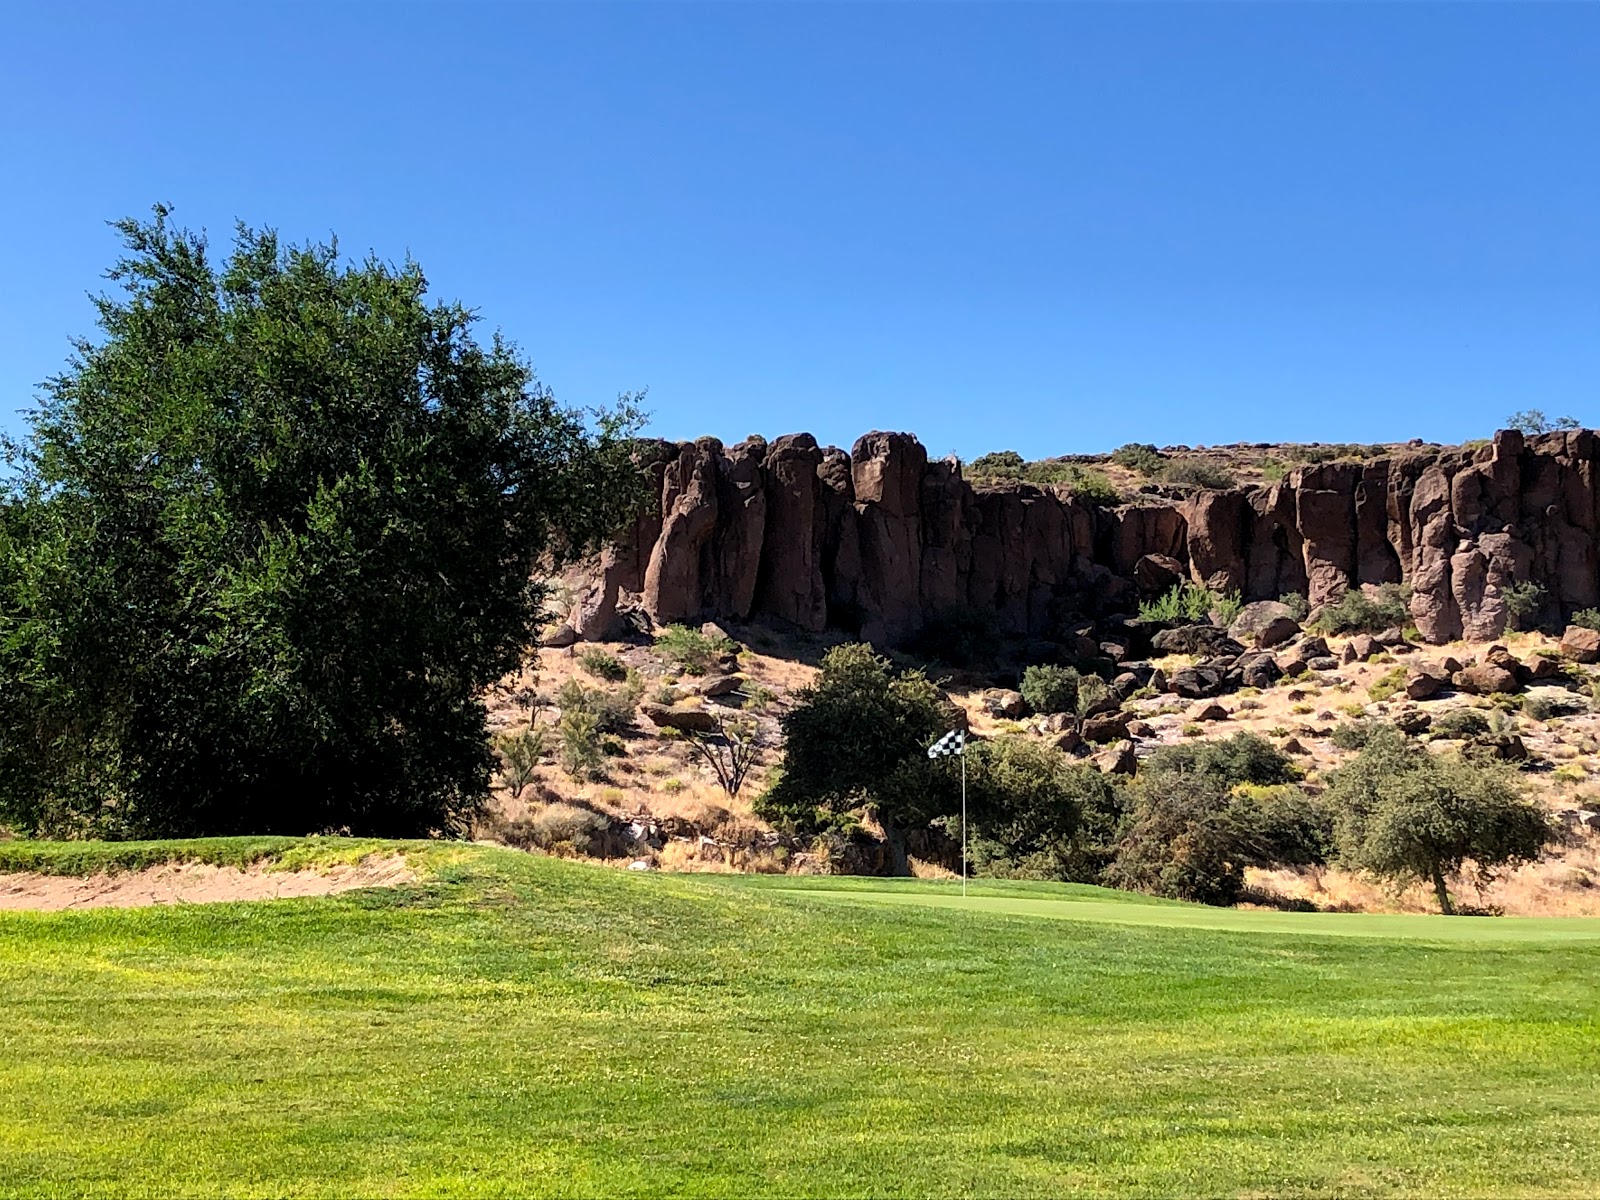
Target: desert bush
[1050,689]
[519,755]
[1191,835]
[1242,758]
[999,464]
[602,664]
[1523,602]
[1092,486]
[1139,456]
[1404,814]
[1387,684]
[1587,618]
[691,650]
[1296,603]
[1037,814]
[581,752]
[1197,474]
[1091,691]
[568,830]
[1357,612]
[612,710]
[1272,469]
[1352,735]
[1191,602]
[1459,723]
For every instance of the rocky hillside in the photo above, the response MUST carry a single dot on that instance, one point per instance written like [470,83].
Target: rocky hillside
[881,542]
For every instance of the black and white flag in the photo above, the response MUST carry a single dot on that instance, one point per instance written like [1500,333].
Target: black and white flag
[954,742]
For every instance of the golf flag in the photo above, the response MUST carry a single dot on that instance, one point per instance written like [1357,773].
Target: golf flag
[954,742]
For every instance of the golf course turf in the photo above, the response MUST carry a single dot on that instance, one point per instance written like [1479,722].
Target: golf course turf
[523,1025]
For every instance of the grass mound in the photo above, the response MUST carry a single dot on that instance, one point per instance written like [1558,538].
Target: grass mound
[533,1026]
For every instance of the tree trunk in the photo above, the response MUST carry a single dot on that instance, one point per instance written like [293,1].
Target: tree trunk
[895,838]
[1443,893]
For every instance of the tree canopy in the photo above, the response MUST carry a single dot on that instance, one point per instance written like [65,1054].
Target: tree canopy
[270,535]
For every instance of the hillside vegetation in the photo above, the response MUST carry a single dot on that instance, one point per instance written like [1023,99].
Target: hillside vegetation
[520,1024]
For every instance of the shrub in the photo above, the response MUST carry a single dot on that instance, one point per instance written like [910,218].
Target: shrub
[1352,735]
[691,650]
[1459,723]
[559,828]
[1523,602]
[1358,612]
[1050,689]
[581,752]
[1037,814]
[519,758]
[1197,474]
[1091,691]
[1190,835]
[602,664]
[1587,618]
[1139,456]
[1093,486]
[1272,469]
[613,711]
[1191,602]
[1296,603]
[1387,684]
[1001,464]
[1404,814]
[1242,758]
[858,735]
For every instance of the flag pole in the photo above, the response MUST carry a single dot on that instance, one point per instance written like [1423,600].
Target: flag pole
[963,820]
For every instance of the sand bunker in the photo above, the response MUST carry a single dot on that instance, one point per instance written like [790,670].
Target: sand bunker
[193,883]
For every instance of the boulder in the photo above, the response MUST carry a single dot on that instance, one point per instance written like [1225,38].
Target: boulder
[718,685]
[1157,574]
[1210,711]
[1264,624]
[1067,740]
[1259,671]
[1325,663]
[1004,703]
[1362,647]
[1117,759]
[1105,727]
[1195,683]
[1420,685]
[1412,721]
[559,638]
[1542,668]
[1485,679]
[1195,639]
[1293,746]
[1140,729]
[684,720]
[1497,747]
[1392,636]
[1580,644]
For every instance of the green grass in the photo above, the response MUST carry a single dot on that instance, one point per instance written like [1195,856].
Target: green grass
[528,1026]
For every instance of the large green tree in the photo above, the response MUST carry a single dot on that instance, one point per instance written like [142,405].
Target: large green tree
[858,737]
[272,533]
[1408,815]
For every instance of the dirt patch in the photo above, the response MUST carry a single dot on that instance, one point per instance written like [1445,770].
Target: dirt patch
[193,883]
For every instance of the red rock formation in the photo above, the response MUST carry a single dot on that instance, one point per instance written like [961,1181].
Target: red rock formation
[881,541]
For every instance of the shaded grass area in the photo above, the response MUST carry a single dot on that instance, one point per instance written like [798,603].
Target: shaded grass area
[526,1025]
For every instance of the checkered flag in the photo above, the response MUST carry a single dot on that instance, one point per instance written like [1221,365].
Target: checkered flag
[954,742]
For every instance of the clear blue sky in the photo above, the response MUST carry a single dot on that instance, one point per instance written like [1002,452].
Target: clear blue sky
[1045,227]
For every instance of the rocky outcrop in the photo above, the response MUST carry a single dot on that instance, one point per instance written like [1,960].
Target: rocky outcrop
[882,543]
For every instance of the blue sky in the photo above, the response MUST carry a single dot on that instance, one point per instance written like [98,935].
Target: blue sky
[1047,227]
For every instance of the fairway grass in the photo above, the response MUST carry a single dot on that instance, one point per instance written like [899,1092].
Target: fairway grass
[523,1025]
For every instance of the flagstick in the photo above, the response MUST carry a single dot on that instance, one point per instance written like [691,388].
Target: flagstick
[963,821]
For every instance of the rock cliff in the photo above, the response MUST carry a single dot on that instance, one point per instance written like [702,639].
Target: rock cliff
[881,541]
